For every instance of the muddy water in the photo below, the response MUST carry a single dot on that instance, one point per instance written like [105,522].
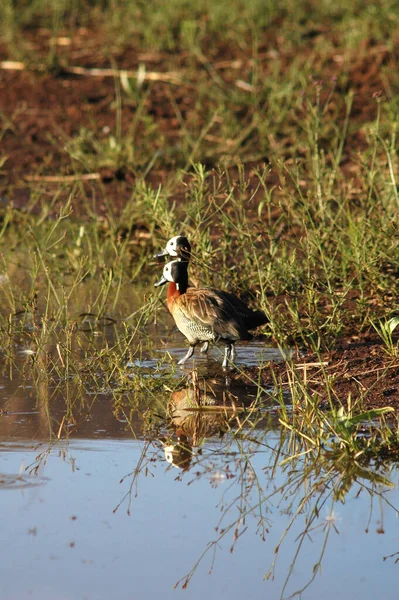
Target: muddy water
[117,510]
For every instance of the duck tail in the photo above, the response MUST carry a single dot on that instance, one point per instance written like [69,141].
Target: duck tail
[256,319]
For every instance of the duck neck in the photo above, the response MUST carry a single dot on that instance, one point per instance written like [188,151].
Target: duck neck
[177,289]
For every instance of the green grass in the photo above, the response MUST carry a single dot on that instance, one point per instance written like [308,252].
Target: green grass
[269,151]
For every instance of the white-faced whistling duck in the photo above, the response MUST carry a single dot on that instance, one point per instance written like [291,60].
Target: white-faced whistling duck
[206,315]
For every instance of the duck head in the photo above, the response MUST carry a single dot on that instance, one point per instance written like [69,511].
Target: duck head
[175,272]
[177,246]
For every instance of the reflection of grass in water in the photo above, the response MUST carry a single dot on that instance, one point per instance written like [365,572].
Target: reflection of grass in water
[308,467]
[311,484]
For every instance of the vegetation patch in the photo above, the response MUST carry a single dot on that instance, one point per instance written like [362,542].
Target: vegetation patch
[266,134]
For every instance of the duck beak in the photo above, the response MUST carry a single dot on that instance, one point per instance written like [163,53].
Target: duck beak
[162,281]
[163,252]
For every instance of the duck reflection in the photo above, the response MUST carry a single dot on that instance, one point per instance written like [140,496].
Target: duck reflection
[203,409]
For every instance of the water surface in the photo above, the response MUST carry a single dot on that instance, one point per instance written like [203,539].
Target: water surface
[107,515]
[100,500]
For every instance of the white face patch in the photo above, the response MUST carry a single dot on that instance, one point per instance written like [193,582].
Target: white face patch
[166,273]
[171,246]
[167,270]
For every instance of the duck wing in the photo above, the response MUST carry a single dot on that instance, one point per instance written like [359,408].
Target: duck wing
[251,318]
[212,309]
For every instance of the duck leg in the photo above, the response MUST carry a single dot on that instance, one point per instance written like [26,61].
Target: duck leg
[189,354]
[204,348]
[229,354]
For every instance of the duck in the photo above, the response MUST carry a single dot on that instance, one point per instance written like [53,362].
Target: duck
[207,315]
[179,246]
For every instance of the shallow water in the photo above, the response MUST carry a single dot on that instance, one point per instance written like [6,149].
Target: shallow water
[107,514]
[83,527]
[96,505]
